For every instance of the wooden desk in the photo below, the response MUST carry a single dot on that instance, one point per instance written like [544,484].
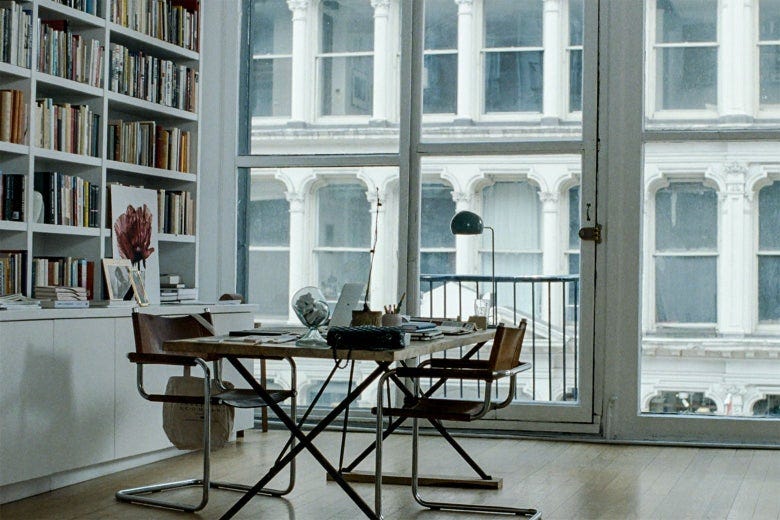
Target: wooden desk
[235,348]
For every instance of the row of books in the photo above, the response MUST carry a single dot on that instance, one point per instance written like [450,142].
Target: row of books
[16,33]
[88,6]
[148,144]
[173,21]
[13,116]
[157,80]
[176,210]
[66,127]
[13,266]
[68,271]
[12,187]
[68,200]
[67,55]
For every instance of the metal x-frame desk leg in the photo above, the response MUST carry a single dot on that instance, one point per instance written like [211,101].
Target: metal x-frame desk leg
[305,441]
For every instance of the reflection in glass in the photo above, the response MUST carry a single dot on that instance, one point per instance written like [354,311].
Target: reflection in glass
[687,78]
[684,289]
[769,66]
[513,23]
[685,21]
[769,253]
[347,85]
[271,59]
[344,218]
[440,92]
[686,217]
[513,81]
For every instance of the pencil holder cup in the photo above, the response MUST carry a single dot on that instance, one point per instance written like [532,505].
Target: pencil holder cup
[391,320]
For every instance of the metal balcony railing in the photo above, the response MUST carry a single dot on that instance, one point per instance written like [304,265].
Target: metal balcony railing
[550,304]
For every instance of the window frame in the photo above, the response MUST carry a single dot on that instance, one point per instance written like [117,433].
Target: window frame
[765,111]
[273,120]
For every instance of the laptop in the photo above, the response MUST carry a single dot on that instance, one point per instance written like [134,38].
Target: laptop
[350,297]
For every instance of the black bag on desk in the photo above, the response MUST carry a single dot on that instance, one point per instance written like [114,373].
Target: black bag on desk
[367,337]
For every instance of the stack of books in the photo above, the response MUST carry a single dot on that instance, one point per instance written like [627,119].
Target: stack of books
[61,297]
[172,290]
[18,301]
[422,330]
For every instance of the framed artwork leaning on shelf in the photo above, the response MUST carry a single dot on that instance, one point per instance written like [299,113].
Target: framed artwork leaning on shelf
[117,273]
[138,287]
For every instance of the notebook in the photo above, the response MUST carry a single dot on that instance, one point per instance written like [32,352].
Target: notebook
[348,301]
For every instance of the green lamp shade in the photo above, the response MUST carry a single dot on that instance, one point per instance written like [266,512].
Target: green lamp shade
[466,223]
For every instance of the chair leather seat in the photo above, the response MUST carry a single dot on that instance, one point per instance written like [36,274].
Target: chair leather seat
[247,398]
[442,409]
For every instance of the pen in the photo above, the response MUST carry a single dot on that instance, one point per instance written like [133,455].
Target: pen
[398,307]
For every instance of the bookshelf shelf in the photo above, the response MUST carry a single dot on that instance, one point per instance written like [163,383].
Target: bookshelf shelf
[53,229]
[141,107]
[172,139]
[48,9]
[138,40]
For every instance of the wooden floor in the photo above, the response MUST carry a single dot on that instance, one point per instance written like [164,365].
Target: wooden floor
[565,480]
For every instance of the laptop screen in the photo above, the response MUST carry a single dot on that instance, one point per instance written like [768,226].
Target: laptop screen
[349,298]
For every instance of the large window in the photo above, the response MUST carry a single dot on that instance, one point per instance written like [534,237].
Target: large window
[769,253]
[271,60]
[686,54]
[686,254]
[513,56]
[437,248]
[345,62]
[576,12]
[440,79]
[769,53]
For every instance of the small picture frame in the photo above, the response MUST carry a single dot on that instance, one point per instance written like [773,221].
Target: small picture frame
[117,274]
[137,281]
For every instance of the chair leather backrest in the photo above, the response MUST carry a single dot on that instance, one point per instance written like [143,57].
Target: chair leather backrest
[507,344]
[151,331]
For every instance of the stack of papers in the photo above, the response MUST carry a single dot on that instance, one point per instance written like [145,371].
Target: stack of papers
[60,293]
[18,301]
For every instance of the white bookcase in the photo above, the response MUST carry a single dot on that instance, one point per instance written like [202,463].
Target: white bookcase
[178,253]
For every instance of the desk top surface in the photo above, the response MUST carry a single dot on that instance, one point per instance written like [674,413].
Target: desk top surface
[247,347]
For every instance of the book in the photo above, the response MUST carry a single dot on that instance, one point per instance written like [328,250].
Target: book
[64,304]
[173,279]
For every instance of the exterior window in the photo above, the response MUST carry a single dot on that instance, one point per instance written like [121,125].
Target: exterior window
[513,56]
[686,54]
[343,237]
[268,224]
[576,15]
[769,52]
[271,64]
[437,251]
[769,253]
[682,402]
[686,254]
[440,81]
[767,407]
[346,59]
[573,247]
[513,209]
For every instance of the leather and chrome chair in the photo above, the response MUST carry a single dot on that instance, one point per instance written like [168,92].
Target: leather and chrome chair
[504,362]
[150,333]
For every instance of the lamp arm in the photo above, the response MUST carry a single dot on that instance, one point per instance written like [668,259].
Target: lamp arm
[493,272]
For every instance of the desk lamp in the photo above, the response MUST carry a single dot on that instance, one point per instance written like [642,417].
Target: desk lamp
[469,223]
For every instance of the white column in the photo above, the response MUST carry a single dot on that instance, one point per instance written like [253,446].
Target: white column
[381,60]
[553,39]
[466,61]
[297,244]
[376,293]
[299,61]
[734,254]
[735,61]
[466,247]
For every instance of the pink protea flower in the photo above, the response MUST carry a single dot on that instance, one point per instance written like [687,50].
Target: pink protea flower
[133,231]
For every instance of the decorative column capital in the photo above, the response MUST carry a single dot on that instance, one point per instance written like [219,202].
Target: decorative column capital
[461,197]
[548,199]
[296,201]
[298,7]
[465,6]
[380,4]
[735,174]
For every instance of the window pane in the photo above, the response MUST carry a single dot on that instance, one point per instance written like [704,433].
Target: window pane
[769,20]
[513,81]
[268,275]
[687,78]
[440,92]
[768,288]
[270,87]
[514,211]
[337,268]
[769,217]
[344,216]
[767,407]
[513,23]
[770,74]
[682,402]
[438,208]
[576,15]
[437,263]
[268,214]
[686,218]
[574,217]
[441,24]
[680,21]
[271,27]
[684,289]
[575,80]
[347,85]
[347,26]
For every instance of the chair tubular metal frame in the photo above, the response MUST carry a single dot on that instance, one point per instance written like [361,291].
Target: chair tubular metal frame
[138,495]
